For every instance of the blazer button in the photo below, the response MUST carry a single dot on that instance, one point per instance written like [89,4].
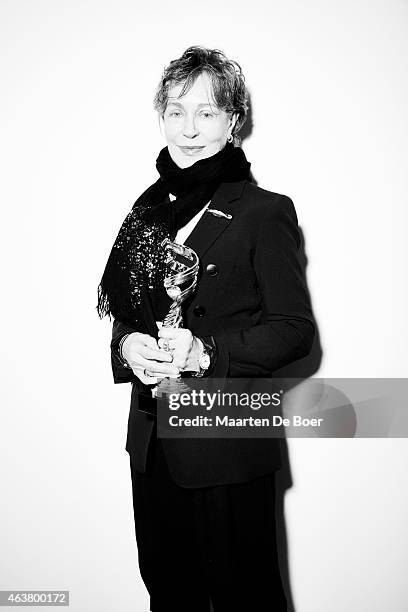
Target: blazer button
[212,269]
[199,311]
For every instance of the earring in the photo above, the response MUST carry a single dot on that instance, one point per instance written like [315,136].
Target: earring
[230,138]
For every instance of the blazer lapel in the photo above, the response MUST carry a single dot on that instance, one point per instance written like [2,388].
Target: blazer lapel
[210,227]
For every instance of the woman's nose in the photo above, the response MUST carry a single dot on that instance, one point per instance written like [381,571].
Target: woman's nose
[190,128]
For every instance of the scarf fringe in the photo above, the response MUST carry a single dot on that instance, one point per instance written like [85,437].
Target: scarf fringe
[103,308]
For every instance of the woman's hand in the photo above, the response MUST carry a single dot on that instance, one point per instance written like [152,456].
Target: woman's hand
[185,347]
[145,357]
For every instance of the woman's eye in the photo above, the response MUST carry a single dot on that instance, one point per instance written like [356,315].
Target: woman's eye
[175,114]
[206,114]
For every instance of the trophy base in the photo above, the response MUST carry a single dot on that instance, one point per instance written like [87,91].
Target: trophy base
[163,390]
[167,386]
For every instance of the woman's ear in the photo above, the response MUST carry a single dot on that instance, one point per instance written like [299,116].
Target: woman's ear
[233,121]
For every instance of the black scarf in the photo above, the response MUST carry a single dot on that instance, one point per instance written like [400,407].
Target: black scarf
[136,262]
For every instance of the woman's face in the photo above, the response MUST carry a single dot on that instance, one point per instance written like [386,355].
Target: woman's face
[194,127]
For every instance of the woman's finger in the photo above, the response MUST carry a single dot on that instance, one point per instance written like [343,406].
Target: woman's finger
[159,367]
[174,333]
[167,344]
[156,354]
[160,375]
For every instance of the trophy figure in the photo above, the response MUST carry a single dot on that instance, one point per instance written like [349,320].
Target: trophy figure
[182,265]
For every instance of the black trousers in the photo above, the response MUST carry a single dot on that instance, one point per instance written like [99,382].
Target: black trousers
[213,544]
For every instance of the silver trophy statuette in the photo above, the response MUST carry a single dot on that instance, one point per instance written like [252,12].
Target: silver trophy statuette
[181,279]
[182,265]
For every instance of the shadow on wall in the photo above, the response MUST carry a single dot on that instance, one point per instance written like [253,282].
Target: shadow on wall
[302,368]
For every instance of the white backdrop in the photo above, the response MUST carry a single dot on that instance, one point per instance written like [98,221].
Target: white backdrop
[79,139]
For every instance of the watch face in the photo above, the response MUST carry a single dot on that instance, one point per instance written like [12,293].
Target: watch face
[205,361]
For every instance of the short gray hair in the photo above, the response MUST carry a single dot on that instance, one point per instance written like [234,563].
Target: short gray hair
[228,82]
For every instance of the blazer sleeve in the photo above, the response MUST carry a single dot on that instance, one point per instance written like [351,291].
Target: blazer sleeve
[286,329]
[121,373]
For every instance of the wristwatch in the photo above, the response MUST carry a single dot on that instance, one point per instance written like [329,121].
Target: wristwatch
[206,357]
[205,360]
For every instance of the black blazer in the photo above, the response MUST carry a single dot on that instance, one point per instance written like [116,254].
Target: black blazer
[255,305]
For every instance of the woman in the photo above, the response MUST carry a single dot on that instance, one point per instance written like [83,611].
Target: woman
[204,508]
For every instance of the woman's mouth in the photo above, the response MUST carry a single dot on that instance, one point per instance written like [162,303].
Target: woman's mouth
[190,150]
